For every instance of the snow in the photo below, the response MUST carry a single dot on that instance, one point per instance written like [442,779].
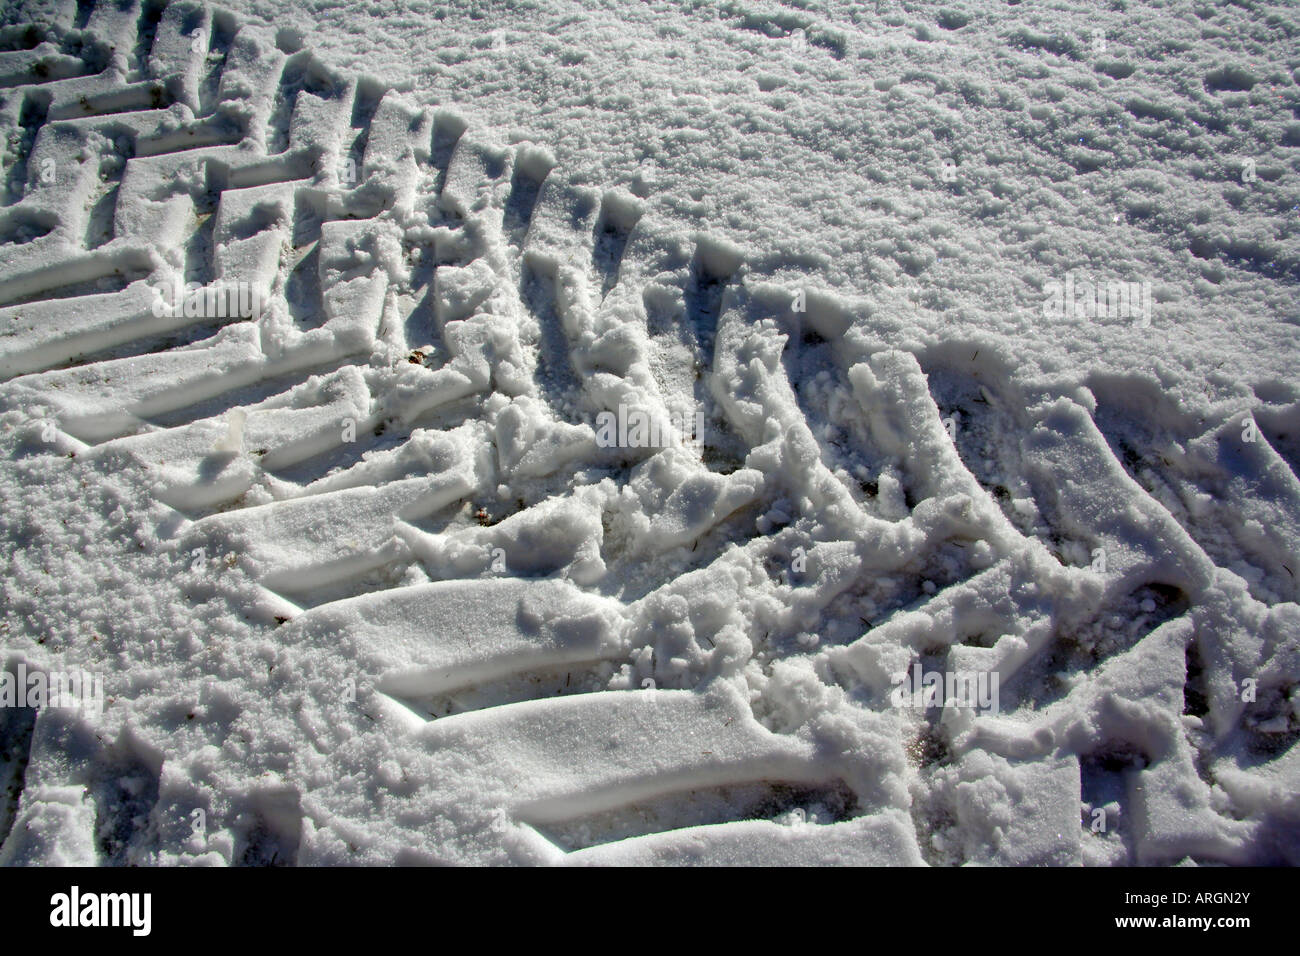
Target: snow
[366,578]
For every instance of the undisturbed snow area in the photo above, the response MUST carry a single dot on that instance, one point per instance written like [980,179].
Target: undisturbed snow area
[585,433]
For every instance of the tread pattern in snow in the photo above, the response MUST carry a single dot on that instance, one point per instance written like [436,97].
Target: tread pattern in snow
[445,317]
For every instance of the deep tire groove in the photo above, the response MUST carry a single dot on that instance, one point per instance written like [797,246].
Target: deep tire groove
[16,727]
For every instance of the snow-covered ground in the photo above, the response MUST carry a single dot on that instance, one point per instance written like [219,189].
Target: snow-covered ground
[361,529]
